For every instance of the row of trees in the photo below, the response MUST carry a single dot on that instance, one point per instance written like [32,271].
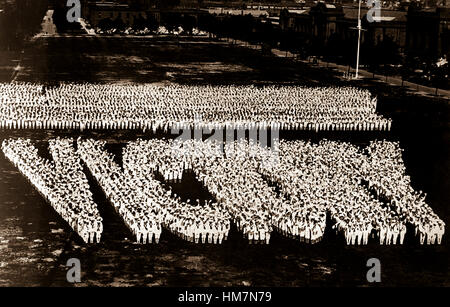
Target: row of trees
[169,21]
[248,28]
[380,56]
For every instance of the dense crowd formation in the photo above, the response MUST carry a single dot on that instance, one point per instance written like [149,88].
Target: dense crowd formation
[61,181]
[311,179]
[387,177]
[145,204]
[289,188]
[151,107]
[327,176]
[234,182]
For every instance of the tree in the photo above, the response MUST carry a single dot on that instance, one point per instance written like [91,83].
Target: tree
[118,24]
[440,74]
[387,52]
[188,22]
[105,24]
[164,4]
[151,22]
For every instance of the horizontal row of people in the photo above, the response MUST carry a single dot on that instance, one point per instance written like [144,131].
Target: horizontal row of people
[151,107]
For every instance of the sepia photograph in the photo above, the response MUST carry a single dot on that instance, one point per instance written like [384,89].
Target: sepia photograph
[224,149]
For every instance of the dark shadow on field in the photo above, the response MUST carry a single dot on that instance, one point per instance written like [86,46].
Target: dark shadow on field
[153,60]
[188,188]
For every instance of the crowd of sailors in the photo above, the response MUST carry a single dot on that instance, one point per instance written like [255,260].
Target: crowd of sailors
[145,204]
[293,189]
[61,181]
[150,107]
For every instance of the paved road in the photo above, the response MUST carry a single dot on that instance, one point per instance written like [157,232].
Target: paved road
[393,80]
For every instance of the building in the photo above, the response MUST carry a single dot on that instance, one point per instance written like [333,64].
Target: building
[428,32]
[324,20]
[390,24]
[127,12]
[295,20]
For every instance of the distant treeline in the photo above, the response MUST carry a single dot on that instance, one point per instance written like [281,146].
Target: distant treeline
[379,56]
[20,20]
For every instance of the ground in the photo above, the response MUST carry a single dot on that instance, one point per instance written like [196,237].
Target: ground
[35,242]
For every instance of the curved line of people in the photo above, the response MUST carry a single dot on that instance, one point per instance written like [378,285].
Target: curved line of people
[151,107]
[312,179]
[193,221]
[230,173]
[61,181]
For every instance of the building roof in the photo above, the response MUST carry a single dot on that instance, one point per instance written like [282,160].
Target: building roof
[109,4]
[299,12]
[254,13]
[385,15]
[383,18]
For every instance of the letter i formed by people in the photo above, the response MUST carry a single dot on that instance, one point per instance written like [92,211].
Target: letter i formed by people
[374,273]
[74,273]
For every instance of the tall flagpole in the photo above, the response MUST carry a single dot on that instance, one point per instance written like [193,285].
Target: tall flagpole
[359,38]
